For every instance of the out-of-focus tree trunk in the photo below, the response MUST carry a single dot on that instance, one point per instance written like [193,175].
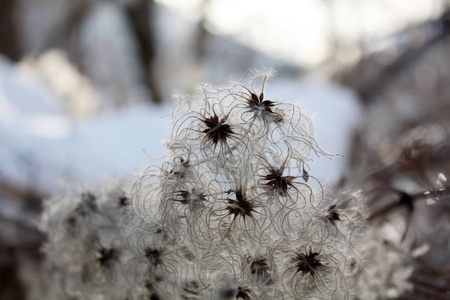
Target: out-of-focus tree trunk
[9,41]
[369,78]
[71,42]
[141,18]
[202,35]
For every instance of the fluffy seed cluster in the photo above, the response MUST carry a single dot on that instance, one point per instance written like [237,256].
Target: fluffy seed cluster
[234,213]
[86,256]
[239,215]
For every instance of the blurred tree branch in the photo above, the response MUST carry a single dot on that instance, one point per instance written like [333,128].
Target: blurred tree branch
[369,77]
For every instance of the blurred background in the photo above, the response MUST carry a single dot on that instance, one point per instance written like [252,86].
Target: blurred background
[84,86]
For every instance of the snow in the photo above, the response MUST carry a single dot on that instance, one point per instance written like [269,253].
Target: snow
[43,147]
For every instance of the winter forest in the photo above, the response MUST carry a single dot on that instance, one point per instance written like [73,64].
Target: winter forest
[224,149]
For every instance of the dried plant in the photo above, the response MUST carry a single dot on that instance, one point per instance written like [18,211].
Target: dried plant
[234,213]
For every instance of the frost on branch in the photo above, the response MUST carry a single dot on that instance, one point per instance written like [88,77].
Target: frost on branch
[234,213]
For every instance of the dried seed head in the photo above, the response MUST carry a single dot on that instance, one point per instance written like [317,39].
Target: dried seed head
[87,205]
[243,293]
[332,214]
[154,256]
[124,201]
[262,107]
[307,263]
[217,130]
[277,182]
[193,197]
[259,267]
[241,206]
[179,171]
[107,256]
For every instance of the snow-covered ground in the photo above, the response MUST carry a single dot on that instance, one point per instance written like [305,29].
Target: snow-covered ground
[42,146]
